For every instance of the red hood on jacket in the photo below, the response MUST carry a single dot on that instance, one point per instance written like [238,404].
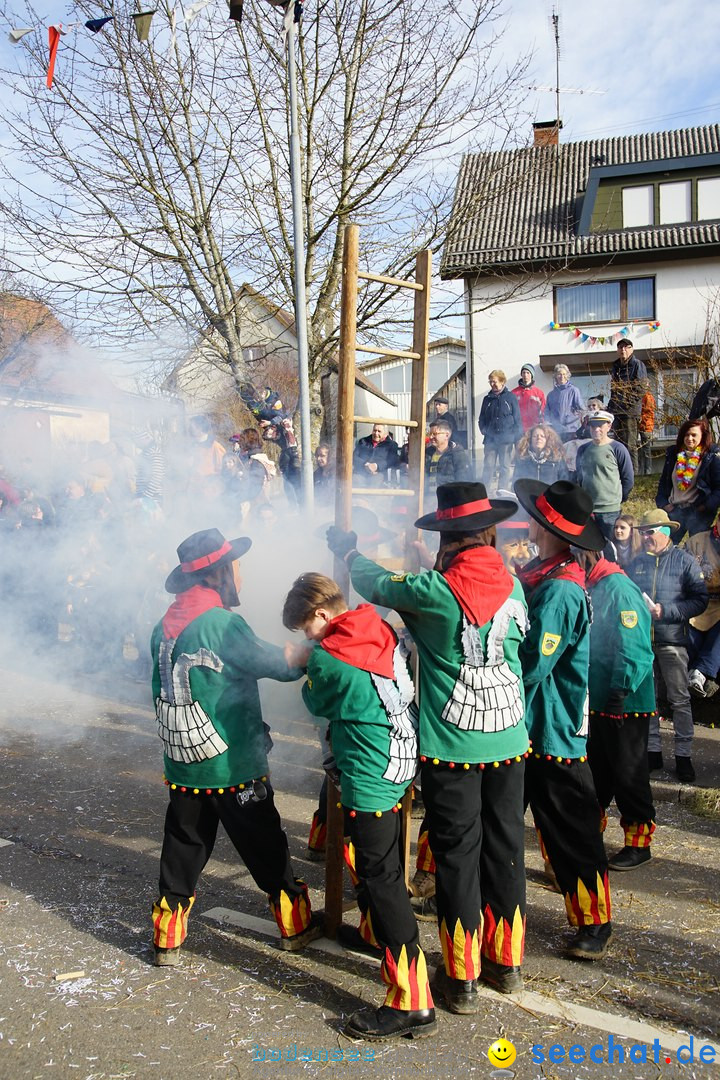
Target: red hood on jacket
[363,640]
[479,582]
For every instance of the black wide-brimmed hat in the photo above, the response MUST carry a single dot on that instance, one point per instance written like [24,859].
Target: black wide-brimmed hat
[201,551]
[564,509]
[465,507]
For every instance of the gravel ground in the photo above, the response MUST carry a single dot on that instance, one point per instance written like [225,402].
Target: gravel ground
[82,806]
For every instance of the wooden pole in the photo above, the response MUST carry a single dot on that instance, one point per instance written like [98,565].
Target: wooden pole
[343,519]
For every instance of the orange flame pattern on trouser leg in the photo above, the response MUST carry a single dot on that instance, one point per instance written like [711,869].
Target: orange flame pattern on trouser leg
[603,821]
[589,907]
[541,842]
[349,856]
[365,928]
[424,857]
[318,834]
[407,982]
[292,914]
[638,834]
[502,941]
[170,923]
[461,951]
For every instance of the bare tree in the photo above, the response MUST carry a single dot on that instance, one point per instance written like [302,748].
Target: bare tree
[163,166]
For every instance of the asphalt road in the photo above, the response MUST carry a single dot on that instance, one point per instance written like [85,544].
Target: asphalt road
[81,814]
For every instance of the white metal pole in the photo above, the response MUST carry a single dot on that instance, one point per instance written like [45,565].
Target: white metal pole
[299,264]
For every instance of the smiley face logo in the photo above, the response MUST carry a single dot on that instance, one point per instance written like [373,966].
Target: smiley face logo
[502,1053]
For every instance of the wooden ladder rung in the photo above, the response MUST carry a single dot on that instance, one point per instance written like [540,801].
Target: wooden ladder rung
[367,276]
[383,491]
[385,421]
[389,352]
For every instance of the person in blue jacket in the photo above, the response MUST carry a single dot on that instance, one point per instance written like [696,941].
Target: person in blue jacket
[501,425]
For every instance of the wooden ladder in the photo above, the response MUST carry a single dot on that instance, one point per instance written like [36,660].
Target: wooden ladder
[346,420]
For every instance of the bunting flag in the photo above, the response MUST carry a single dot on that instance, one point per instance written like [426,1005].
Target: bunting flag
[54,33]
[97,24]
[19,33]
[195,9]
[604,339]
[142,22]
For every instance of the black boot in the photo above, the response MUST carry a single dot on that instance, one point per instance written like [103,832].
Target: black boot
[503,978]
[684,769]
[655,760]
[460,995]
[629,858]
[351,939]
[590,942]
[384,1023]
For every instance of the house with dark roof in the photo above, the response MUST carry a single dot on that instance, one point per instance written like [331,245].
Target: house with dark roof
[565,248]
[269,347]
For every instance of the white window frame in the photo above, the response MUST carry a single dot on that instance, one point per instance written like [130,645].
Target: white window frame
[638,206]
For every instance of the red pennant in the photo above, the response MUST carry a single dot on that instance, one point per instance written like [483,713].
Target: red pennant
[53,42]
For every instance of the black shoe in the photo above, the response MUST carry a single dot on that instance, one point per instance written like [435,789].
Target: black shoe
[384,1023]
[167,957]
[655,760]
[460,995]
[590,942]
[314,930]
[351,939]
[425,908]
[684,769]
[315,854]
[504,979]
[628,858]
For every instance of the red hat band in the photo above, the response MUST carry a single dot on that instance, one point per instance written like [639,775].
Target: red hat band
[557,519]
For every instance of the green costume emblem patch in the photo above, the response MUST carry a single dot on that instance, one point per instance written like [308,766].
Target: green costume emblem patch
[549,644]
[629,619]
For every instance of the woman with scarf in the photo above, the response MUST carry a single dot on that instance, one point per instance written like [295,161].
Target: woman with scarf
[358,680]
[539,456]
[626,540]
[689,487]
[467,618]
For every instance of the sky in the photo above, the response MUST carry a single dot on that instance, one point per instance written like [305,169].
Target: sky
[656,62]
[651,65]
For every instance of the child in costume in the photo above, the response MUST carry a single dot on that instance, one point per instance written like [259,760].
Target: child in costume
[467,618]
[358,680]
[206,663]
[555,657]
[622,701]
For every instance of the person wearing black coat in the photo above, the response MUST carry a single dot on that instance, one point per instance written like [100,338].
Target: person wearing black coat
[707,401]
[374,456]
[501,425]
[689,487]
[627,386]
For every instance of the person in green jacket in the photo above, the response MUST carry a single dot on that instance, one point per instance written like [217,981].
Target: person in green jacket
[622,700]
[555,656]
[358,680]
[467,618]
[206,663]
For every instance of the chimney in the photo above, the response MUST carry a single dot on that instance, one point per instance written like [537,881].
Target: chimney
[546,133]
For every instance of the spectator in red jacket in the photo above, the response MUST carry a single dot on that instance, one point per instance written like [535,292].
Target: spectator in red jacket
[530,398]
[646,427]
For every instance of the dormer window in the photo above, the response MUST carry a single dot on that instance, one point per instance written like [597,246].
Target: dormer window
[675,202]
[638,206]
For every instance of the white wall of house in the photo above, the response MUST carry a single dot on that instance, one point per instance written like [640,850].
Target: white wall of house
[394,376]
[517,331]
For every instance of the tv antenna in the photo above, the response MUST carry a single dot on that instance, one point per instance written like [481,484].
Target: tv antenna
[557,89]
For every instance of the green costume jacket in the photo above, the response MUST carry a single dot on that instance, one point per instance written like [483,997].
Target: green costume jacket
[555,658]
[207,701]
[373,727]
[621,654]
[470,684]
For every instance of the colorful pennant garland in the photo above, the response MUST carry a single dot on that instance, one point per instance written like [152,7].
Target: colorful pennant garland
[142,20]
[605,339]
